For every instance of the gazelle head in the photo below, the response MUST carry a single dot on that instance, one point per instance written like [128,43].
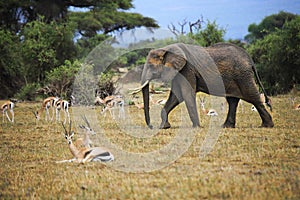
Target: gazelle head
[87,128]
[36,115]
[68,134]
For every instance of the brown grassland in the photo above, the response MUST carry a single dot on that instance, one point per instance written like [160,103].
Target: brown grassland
[247,162]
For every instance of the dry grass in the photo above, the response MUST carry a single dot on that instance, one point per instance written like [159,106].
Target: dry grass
[246,163]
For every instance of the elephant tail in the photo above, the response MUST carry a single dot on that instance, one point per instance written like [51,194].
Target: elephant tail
[267,99]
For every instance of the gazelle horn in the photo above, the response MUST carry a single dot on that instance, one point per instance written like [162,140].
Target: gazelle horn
[85,120]
[66,132]
[136,90]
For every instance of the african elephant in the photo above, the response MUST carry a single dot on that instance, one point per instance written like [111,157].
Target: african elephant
[222,70]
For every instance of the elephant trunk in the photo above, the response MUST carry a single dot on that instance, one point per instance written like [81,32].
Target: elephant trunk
[145,91]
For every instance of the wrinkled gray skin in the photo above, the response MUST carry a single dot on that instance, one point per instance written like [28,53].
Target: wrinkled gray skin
[193,69]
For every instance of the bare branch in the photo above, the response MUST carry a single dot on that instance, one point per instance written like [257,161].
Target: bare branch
[182,25]
[196,25]
[173,29]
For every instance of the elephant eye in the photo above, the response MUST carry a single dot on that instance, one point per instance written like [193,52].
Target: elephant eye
[156,56]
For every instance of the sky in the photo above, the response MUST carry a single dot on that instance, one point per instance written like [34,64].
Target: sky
[233,15]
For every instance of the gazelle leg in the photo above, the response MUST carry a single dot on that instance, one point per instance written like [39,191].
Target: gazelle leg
[88,158]
[47,114]
[67,115]
[7,116]
[52,113]
[122,112]
[12,115]
[57,114]
[112,113]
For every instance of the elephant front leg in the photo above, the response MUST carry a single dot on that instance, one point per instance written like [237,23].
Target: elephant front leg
[171,103]
[231,115]
[190,102]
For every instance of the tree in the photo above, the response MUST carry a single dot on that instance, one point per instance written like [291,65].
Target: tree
[210,35]
[10,62]
[38,36]
[205,36]
[277,57]
[268,25]
[44,47]
[60,79]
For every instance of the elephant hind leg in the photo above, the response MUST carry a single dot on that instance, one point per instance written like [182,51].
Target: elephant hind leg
[251,95]
[231,115]
[264,115]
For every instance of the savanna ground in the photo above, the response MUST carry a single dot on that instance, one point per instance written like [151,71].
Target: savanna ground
[247,162]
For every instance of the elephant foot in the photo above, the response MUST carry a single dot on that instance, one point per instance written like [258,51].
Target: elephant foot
[196,125]
[228,125]
[267,125]
[150,126]
[165,125]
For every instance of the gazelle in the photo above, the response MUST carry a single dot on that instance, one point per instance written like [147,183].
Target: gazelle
[83,155]
[110,103]
[210,112]
[138,105]
[253,108]
[46,105]
[136,102]
[85,141]
[158,102]
[296,106]
[8,105]
[64,106]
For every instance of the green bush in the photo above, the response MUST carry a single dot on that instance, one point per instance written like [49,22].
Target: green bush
[28,92]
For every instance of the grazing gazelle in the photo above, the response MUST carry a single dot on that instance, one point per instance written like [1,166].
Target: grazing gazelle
[110,103]
[64,106]
[46,105]
[210,112]
[85,141]
[295,106]
[8,105]
[83,155]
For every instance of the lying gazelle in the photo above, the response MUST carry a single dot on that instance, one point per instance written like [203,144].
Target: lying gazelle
[136,102]
[138,105]
[85,141]
[158,102]
[46,105]
[210,112]
[8,105]
[110,103]
[85,154]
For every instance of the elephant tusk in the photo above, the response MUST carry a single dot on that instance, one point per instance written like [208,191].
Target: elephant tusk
[137,90]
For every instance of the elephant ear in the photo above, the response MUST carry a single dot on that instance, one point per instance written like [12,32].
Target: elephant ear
[174,56]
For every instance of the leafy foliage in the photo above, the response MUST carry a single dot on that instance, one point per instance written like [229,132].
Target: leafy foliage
[210,35]
[38,36]
[105,86]
[268,25]
[10,79]
[28,92]
[44,47]
[59,80]
[277,57]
